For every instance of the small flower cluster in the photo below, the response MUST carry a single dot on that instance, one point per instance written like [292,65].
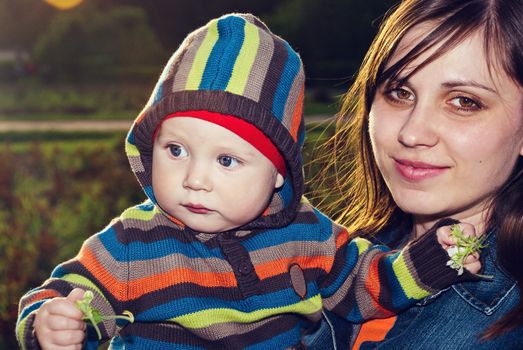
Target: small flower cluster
[93,315]
[465,245]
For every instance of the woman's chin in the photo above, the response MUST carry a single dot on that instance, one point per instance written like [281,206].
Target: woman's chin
[421,205]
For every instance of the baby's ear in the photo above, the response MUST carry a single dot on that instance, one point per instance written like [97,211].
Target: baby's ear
[279,181]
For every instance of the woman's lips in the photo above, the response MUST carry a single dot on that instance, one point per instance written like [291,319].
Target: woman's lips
[417,171]
[196,208]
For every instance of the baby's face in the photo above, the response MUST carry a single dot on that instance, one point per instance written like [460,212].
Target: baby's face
[208,177]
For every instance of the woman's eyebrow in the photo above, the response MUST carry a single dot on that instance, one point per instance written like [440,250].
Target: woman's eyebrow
[458,83]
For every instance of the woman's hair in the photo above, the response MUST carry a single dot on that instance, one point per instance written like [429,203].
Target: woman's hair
[350,180]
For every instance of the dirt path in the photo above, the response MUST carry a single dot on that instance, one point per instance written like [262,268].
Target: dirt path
[88,125]
[60,125]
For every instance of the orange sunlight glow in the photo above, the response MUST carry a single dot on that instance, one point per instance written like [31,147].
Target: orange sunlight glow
[63,4]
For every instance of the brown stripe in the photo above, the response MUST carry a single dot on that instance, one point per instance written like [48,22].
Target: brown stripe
[244,335]
[303,248]
[355,281]
[276,68]
[292,99]
[185,60]
[260,66]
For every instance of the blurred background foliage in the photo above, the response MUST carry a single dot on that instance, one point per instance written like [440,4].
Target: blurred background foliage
[100,60]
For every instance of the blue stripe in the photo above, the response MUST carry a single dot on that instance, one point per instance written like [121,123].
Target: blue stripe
[139,343]
[291,69]
[150,193]
[185,306]
[286,340]
[223,56]
[298,233]
[355,314]
[30,309]
[158,94]
[348,267]
[287,192]
[399,298]
[130,137]
[154,250]
[146,206]
[301,139]
[158,89]
[59,272]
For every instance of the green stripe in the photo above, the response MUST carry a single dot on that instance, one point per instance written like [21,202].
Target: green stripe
[200,60]
[131,150]
[21,330]
[206,318]
[138,214]
[406,280]
[362,244]
[245,60]
[81,281]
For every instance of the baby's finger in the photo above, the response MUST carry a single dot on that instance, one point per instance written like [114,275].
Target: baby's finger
[474,267]
[68,338]
[65,308]
[467,229]
[59,323]
[471,258]
[444,236]
[76,294]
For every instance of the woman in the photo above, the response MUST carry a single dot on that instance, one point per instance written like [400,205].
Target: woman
[435,118]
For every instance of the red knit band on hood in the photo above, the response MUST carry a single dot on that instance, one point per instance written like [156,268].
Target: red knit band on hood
[240,127]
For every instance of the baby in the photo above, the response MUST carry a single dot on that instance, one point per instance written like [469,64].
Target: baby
[226,253]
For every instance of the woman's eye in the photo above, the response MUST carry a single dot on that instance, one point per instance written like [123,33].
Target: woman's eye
[399,95]
[402,94]
[464,103]
[228,161]
[177,151]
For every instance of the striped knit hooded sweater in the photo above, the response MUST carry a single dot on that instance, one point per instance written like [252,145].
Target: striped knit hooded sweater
[262,285]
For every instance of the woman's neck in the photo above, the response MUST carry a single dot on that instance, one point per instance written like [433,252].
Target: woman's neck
[421,224]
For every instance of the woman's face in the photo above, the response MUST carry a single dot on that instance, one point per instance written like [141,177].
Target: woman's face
[449,137]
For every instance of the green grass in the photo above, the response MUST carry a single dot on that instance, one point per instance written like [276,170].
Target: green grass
[47,141]
[34,100]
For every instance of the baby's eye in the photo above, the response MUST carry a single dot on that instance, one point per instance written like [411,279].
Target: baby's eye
[228,161]
[177,151]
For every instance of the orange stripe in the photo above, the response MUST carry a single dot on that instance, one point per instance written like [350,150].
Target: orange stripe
[175,220]
[139,287]
[296,116]
[277,267]
[374,330]
[342,238]
[373,286]
[44,294]
[140,117]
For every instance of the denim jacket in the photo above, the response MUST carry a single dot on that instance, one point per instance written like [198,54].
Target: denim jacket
[452,319]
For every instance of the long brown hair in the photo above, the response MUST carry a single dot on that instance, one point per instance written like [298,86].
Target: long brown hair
[350,180]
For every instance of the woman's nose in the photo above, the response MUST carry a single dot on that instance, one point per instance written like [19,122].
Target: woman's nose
[197,177]
[418,128]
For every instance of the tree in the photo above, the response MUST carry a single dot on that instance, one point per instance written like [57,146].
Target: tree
[90,44]
[332,36]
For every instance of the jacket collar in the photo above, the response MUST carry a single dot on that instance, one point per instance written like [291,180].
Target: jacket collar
[487,295]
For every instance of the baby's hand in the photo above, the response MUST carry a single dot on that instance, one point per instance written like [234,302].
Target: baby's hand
[58,323]
[471,261]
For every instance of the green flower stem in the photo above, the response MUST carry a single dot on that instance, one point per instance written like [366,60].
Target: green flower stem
[465,246]
[93,315]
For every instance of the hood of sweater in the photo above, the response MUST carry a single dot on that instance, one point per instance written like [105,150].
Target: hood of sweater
[234,65]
